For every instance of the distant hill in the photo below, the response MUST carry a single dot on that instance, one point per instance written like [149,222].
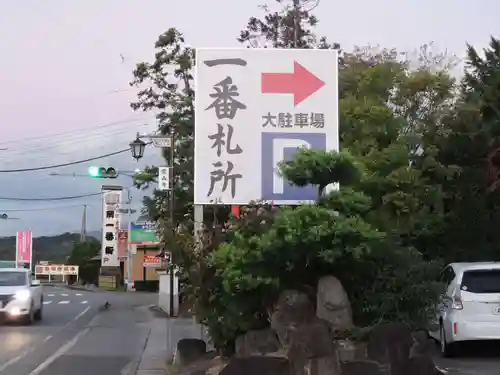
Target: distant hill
[96,234]
[49,248]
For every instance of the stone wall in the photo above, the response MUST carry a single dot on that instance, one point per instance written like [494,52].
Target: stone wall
[303,339]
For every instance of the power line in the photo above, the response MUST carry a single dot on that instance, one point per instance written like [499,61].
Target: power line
[49,199]
[75,132]
[45,208]
[29,151]
[64,164]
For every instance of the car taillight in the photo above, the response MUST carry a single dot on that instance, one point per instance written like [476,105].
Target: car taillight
[457,303]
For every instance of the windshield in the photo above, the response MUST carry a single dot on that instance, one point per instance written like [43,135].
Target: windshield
[481,281]
[12,278]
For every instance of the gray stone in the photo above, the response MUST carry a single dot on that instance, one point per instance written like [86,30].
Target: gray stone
[390,344]
[423,345]
[420,366]
[189,351]
[257,365]
[292,309]
[323,366]
[310,341]
[350,351]
[332,303]
[257,342]
[361,368]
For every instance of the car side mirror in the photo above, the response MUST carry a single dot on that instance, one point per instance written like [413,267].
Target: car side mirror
[35,283]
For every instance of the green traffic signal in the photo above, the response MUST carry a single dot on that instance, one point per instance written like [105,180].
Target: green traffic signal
[102,172]
[93,171]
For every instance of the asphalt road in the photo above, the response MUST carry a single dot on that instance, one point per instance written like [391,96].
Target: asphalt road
[77,336]
[476,358]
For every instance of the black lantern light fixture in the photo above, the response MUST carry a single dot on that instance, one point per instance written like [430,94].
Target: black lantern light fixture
[137,148]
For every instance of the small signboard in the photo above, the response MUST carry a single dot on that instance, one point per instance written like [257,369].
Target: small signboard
[151,261]
[143,234]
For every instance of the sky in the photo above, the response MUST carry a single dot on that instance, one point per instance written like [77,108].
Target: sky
[65,68]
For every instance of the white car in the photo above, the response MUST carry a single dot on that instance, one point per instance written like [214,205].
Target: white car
[21,297]
[470,308]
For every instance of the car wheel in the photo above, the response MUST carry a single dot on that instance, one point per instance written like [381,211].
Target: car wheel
[446,348]
[30,317]
[39,313]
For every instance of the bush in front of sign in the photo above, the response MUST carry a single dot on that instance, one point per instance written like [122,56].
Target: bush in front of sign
[272,250]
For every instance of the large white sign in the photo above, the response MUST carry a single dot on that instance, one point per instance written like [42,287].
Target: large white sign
[254,109]
[111,225]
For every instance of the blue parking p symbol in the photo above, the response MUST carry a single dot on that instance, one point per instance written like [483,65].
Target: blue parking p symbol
[277,147]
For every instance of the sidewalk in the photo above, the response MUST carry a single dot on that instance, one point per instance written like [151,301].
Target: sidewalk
[161,343]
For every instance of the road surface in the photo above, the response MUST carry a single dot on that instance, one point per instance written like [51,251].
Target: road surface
[77,336]
[473,359]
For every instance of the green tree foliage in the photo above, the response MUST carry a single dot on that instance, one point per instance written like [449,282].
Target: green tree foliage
[391,116]
[472,144]
[81,255]
[167,89]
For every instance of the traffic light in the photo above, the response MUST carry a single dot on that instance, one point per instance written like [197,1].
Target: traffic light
[102,172]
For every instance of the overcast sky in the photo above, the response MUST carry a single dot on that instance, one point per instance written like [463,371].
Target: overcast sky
[64,93]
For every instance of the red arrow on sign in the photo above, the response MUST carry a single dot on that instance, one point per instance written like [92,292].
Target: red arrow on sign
[301,83]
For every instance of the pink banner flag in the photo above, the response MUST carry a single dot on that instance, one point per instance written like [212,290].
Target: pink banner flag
[23,246]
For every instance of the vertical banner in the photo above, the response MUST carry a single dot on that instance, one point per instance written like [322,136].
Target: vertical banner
[111,197]
[122,244]
[24,247]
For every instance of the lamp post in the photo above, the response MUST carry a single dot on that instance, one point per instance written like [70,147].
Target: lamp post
[137,147]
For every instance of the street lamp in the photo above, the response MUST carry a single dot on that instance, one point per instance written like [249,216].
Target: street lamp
[137,147]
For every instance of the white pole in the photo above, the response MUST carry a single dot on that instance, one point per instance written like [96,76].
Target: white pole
[17,249]
[129,256]
[31,251]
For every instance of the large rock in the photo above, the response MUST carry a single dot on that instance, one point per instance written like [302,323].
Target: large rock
[257,342]
[361,368]
[351,351]
[312,346]
[389,344]
[332,303]
[257,365]
[312,340]
[423,345]
[189,351]
[292,309]
[322,366]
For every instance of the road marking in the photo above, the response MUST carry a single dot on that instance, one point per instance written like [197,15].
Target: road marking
[50,295]
[79,294]
[63,302]
[47,302]
[64,294]
[83,302]
[34,347]
[62,350]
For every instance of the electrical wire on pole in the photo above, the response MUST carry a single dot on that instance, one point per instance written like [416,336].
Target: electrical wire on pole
[50,199]
[64,164]
[51,208]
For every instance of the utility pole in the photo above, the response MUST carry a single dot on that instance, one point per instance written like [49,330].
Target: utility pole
[83,231]
[172,207]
